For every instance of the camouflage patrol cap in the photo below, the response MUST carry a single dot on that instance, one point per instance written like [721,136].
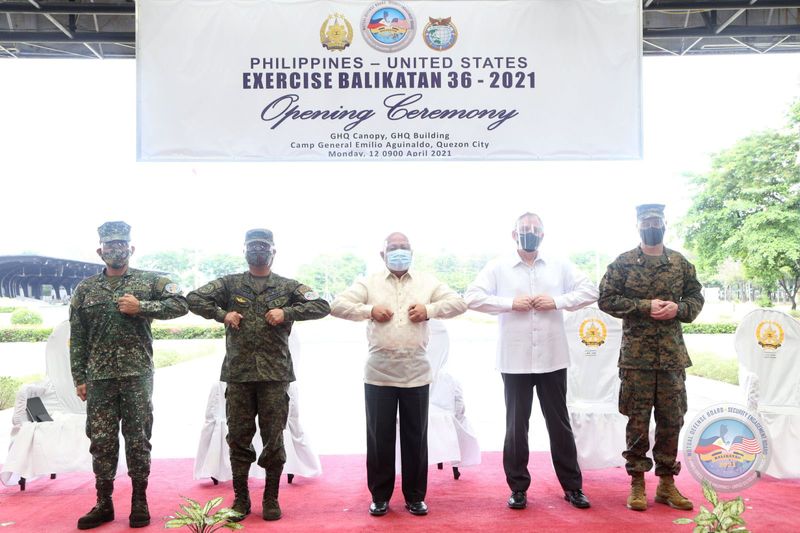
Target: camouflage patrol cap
[649,211]
[258,235]
[114,231]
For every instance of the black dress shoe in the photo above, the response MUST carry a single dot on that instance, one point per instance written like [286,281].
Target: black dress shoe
[518,500]
[577,498]
[378,508]
[417,508]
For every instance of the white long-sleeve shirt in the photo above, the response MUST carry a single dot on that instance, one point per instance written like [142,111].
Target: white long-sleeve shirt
[532,342]
[397,347]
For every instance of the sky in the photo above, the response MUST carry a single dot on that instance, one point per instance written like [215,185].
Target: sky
[68,163]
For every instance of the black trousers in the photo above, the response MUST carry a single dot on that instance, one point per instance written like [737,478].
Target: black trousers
[551,388]
[382,405]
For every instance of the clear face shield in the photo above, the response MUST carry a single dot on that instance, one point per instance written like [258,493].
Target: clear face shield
[259,253]
[651,230]
[529,234]
[115,253]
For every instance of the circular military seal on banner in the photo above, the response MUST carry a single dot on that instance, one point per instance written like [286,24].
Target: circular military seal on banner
[728,446]
[440,34]
[388,26]
[336,33]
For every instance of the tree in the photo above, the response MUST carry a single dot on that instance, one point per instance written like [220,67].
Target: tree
[457,272]
[179,264]
[591,263]
[218,265]
[747,208]
[332,274]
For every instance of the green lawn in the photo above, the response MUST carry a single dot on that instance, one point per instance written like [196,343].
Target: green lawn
[711,366]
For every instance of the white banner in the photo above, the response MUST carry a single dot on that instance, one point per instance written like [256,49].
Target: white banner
[323,80]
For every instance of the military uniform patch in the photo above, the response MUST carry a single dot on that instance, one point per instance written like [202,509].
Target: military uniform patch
[310,295]
[172,288]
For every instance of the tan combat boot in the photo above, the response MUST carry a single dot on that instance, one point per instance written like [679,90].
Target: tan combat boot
[270,510]
[637,499]
[667,493]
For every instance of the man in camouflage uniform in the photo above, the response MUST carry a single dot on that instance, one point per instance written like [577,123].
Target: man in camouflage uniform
[652,289]
[258,309]
[111,352]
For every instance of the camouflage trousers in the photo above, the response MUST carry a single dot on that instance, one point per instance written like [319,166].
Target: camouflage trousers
[664,393]
[109,402]
[269,400]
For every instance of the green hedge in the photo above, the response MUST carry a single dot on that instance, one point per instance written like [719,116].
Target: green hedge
[27,317]
[24,334]
[188,332]
[7,309]
[8,391]
[710,328]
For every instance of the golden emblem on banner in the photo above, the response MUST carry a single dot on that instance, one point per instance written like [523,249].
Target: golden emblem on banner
[593,332]
[770,335]
[336,32]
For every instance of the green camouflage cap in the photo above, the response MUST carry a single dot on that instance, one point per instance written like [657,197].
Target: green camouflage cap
[114,231]
[258,235]
[649,211]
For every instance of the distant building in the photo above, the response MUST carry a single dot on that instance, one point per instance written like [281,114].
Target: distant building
[31,275]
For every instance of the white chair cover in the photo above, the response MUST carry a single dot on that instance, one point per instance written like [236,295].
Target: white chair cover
[451,438]
[213,453]
[44,448]
[768,347]
[594,340]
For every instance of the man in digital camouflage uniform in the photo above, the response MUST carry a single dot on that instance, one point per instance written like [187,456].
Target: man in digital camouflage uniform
[258,309]
[111,352]
[652,289]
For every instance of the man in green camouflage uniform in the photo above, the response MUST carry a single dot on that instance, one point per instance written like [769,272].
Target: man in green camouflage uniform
[258,309]
[111,352]
[652,289]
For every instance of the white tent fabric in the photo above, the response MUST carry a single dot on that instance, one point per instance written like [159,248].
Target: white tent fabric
[451,438]
[213,459]
[768,347]
[594,340]
[44,448]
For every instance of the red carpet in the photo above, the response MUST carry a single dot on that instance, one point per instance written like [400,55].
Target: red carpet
[338,501]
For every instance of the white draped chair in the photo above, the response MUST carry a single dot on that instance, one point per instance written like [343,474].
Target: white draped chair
[594,340]
[213,459]
[451,438]
[53,447]
[768,347]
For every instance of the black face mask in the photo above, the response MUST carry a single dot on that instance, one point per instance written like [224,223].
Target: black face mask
[258,258]
[529,241]
[652,236]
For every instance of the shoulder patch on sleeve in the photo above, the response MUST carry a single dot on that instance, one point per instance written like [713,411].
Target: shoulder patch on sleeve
[172,288]
[210,287]
[307,292]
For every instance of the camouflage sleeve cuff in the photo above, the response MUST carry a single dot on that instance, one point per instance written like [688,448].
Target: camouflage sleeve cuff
[644,307]
[79,380]
[147,307]
[219,315]
[288,314]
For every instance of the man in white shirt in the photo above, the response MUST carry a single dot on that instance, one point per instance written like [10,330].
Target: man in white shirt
[528,291]
[398,304]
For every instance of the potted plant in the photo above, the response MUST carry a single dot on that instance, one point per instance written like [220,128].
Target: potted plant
[199,520]
[725,516]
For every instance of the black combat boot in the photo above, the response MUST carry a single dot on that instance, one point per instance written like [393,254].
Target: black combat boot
[140,514]
[104,510]
[270,510]
[241,497]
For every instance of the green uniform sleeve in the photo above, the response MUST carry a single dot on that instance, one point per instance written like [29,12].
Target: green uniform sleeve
[305,304]
[612,298]
[78,355]
[692,298]
[210,300]
[167,302]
